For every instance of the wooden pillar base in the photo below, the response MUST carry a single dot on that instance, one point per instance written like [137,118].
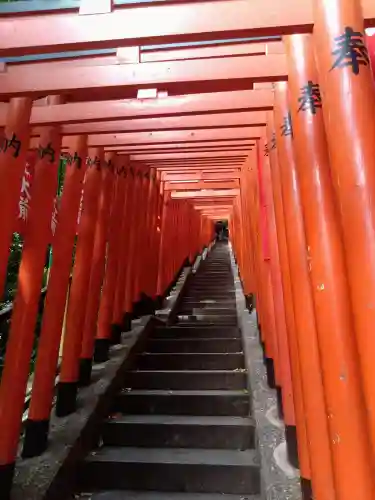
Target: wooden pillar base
[85,369]
[137,309]
[249,300]
[116,331]
[306,489]
[6,480]
[263,346]
[279,397]
[36,438]
[291,445]
[127,322]
[66,402]
[159,302]
[144,306]
[101,350]
[270,368]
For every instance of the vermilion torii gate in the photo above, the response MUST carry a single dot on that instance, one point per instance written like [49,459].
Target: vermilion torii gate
[275,134]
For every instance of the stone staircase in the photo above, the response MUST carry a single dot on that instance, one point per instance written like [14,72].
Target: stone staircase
[181,427]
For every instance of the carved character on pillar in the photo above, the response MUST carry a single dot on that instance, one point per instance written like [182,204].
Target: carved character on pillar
[108,164]
[55,212]
[122,171]
[273,142]
[23,204]
[286,128]
[47,151]
[351,51]
[310,98]
[70,159]
[94,162]
[13,142]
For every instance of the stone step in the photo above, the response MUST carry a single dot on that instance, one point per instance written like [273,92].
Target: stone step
[194,345]
[209,309]
[207,304]
[179,402]
[178,361]
[172,469]
[217,290]
[210,304]
[207,287]
[207,321]
[159,431]
[156,495]
[214,332]
[187,380]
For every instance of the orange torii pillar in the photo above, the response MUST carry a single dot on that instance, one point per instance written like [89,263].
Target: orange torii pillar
[300,438]
[69,371]
[249,283]
[240,237]
[154,238]
[141,252]
[151,243]
[269,320]
[165,257]
[171,248]
[304,315]
[123,265]
[184,228]
[37,236]
[163,242]
[135,199]
[184,232]
[104,328]
[37,425]
[249,267]
[261,248]
[14,143]
[256,241]
[352,460]
[237,240]
[195,235]
[347,90]
[144,304]
[284,390]
[157,238]
[97,268]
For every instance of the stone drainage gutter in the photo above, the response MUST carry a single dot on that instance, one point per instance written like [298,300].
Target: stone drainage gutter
[279,480]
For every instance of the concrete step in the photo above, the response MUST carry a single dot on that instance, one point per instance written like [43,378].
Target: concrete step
[207,287]
[201,321]
[180,402]
[187,379]
[178,361]
[156,495]
[167,469]
[206,283]
[208,313]
[207,294]
[213,304]
[159,431]
[209,309]
[210,305]
[194,345]
[186,332]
